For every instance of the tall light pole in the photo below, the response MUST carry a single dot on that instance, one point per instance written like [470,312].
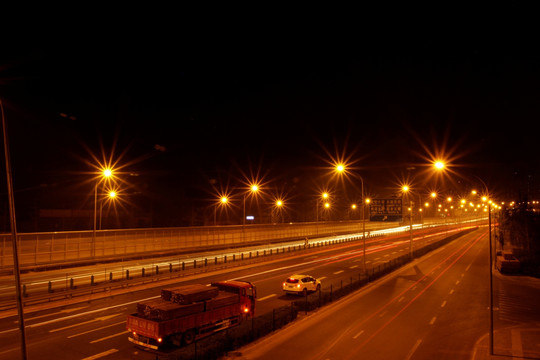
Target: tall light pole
[253,188]
[340,168]
[405,189]
[111,195]
[13,223]
[439,165]
[222,201]
[105,174]
[325,196]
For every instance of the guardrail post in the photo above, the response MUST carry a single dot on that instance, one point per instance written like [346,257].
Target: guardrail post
[50,287]
[225,259]
[92,280]
[194,264]
[71,283]
[110,276]
[264,252]
[170,267]
[142,272]
[250,254]
[157,269]
[242,256]
[205,261]
[233,257]
[183,265]
[215,260]
[127,274]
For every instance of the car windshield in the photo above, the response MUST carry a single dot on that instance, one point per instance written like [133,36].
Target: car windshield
[292,281]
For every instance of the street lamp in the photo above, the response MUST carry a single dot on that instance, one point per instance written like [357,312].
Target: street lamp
[324,196]
[111,195]
[253,189]
[105,174]
[340,168]
[222,201]
[405,189]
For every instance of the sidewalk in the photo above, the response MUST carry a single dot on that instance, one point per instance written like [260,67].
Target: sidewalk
[520,338]
[516,342]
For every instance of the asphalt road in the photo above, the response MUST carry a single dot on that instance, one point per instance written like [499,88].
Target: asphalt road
[94,328]
[437,307]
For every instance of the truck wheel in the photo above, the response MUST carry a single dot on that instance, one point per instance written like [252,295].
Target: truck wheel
[189,337]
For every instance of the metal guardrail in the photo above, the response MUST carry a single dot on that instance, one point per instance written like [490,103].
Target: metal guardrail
[70,289]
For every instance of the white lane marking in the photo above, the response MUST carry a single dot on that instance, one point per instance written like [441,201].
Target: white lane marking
[352,267]
[338,272]
[401,299]
[377,258]
[108,337]
[267,297]
[457,282]
[103,318]
[443,304]
[433,320]
[65,311]
[468,267]
[413,350]
[357,335]
[451,291]
[96,329]
[97,356]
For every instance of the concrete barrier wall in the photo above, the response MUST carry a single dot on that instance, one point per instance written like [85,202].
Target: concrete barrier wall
[54,247]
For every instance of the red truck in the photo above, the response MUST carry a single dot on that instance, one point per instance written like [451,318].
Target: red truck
[186,313]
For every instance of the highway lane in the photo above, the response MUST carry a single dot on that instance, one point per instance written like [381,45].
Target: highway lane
[433,308]
[97,328]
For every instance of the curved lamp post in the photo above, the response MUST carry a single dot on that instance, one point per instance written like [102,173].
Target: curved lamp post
[340,168]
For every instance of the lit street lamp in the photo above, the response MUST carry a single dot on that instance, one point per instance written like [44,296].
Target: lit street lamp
[325,196]
[222,201]
[405,189]
[253,189]
[111,195]
[106,174]
[340,168]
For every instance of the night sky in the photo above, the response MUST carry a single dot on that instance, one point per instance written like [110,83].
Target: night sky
[191,107]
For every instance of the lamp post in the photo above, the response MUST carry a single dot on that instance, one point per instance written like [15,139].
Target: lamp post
[340,168]
[222,201]
[325,196]
[405,189]
[111,195]
[439,165]
[105,174]
[253,188]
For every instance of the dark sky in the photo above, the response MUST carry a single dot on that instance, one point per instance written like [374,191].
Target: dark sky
[182,102]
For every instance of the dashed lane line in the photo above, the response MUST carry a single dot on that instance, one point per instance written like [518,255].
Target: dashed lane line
[97,356]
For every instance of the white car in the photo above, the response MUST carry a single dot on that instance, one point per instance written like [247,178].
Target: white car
[301,284]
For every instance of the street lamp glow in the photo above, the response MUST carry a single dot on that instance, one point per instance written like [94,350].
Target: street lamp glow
[325,195]
[224,200]
[107,173]
[279,203]
[405,188]
[439,165]
[340,168]
[112,194]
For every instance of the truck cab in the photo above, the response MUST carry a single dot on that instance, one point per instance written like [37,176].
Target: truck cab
[246,290]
